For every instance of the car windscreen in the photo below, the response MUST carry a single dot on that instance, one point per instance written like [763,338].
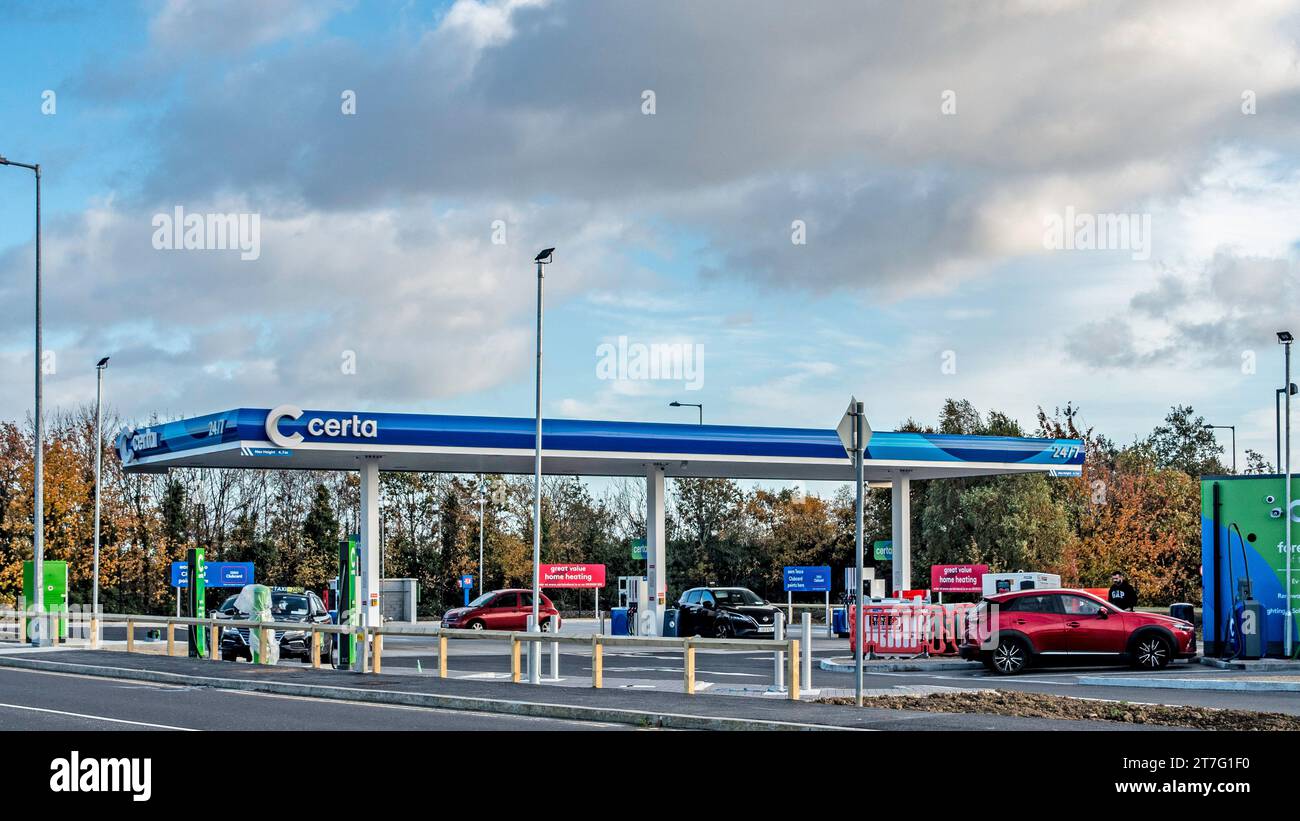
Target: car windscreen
[482,600]
[736,596]
[288,604]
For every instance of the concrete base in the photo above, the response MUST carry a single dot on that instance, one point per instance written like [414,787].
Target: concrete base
[1254,665]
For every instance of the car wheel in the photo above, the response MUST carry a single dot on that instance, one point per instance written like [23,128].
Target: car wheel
[723,630]
[477,625]
[546,625]
[1152,652]
[1010,657]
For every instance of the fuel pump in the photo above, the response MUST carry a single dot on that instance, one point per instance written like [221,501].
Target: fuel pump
[196,595]
[346,604]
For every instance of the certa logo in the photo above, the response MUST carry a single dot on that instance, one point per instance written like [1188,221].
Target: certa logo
[129,441]
[332,427]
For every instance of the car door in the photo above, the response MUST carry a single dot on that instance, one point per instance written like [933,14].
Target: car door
[502,611]
[1039,618]
[687,613]
[708,614]
[525,610]
[1092,628]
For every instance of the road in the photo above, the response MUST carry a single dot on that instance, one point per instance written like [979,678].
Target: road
[54,701]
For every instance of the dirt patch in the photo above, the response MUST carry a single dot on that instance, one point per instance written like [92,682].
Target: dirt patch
[1041,705]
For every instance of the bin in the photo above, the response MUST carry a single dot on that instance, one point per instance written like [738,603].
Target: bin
[840,622]
[618,621]
[670,623]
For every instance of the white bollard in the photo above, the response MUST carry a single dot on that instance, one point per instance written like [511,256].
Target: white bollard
[555,649]
[528,656]
[806,639]
[778,634]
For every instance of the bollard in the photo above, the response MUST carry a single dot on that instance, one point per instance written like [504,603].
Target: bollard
[54,629]
[688,668]
[94,633]
[315,649]
[806,642]
[364,654]
[778,658]
[171,639]
[794,669]
[130,635]
[262,641]
[528,652]
[597,662]
[214,642]
[22,629]
[555,649]
[514,659]
[442,656]
[379,652]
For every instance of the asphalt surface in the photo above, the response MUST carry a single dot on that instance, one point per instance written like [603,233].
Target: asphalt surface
[51,701]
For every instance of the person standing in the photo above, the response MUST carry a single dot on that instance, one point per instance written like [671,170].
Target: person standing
[1121,594]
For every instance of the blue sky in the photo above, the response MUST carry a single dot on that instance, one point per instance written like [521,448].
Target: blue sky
[922,151]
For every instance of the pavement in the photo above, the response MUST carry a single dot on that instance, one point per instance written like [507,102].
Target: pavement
[635,707]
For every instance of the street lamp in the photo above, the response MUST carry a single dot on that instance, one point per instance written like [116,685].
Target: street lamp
[1285,339]
[38,494]
[534,657]
[1232,428]
[99,454]
[689,405]
[482,499]
[1277,421]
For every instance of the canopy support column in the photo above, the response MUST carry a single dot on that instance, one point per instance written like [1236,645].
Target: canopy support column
[901,508]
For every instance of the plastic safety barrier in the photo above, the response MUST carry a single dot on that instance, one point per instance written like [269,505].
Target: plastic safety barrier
[908,630]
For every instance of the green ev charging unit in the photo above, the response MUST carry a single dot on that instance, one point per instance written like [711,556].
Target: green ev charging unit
[348,612]
[196,595]
[56,594]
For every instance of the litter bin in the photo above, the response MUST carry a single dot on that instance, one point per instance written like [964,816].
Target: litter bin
[670,623]
[1184,611]
[840,622]
[618,621]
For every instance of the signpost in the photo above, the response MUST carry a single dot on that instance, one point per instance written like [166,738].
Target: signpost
[799,579]
[855,433]
[466,582]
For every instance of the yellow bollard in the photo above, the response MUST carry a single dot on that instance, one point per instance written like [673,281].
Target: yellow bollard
[263,640]
[688,668]
[315,649]
[597,663]
[171,639]
[793,672]
[22,628]
[214,642]
[379,650]
[442,656]
[94,634]
[130,636]
[514,660]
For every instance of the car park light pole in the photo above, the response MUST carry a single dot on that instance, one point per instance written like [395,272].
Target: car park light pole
[38,494]
[534,668]
[1232,428]
[697,406]
[1285,339]
[482,499]
[99,454]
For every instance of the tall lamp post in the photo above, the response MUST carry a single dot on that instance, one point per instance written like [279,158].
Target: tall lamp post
[38,500]
[1277,420]
[1285,339]
[1232,428]
[534,657]
[700,407]
[482,499]
[99,456]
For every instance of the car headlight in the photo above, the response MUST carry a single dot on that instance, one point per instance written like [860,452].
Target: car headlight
[743,617]
[1186,628]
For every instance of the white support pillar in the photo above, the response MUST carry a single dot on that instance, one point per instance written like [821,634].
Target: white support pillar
[656,565]
[901,508]
[368,548]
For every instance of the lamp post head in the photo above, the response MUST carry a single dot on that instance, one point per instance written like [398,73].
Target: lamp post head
[674,404]
[1284,337]
[544,257]
[103,363]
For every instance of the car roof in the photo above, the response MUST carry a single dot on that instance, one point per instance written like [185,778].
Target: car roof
[1015,594]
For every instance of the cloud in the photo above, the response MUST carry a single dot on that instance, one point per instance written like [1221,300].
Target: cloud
[231,26]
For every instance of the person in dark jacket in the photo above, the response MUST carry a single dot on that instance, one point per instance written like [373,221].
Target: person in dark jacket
[1121,594]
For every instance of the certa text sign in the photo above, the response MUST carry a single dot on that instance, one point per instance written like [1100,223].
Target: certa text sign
[572,575]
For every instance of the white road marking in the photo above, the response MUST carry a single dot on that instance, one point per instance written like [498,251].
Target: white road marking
[97,718]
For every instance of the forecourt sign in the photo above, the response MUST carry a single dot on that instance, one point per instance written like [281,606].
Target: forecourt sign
[580,576]
[216,574]
[292,437]
[800,579]
[957,578]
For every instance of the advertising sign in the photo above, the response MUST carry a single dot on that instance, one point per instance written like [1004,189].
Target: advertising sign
[572,575]
[883,550]
[957,578]
[217,574]
[638,549]
[807,579]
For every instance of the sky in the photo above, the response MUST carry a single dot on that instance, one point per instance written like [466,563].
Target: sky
[810,200]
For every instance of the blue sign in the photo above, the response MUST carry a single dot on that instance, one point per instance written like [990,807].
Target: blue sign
[215,574]
[807,579]
[467,581]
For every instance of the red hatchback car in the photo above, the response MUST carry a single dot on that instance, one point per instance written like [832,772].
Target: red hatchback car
[1010,632]
[500,610]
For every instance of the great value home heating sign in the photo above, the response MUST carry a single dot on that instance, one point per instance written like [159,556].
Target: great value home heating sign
[957,578]
[572,575]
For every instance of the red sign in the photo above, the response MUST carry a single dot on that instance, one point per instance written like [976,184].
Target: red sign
[572,575]
[957,578]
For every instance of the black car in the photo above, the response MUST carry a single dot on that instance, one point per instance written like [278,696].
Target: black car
[287,604]
[725,612]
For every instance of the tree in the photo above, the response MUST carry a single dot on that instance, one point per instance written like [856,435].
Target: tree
[1256,463]
[320,533]
[1184,443]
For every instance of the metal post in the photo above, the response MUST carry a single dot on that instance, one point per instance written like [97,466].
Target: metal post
[1289,593]
[789,606]
[555,649]
[1277,424]
[830,631]
[856,599]
[99,454]
[806,641]
[528,656]
[534,671]
[481,500]
[778,634]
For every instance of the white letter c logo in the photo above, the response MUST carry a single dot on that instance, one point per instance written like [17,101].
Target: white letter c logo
[273,425]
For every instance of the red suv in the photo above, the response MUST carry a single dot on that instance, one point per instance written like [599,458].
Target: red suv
[1012,631]
[500,610]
